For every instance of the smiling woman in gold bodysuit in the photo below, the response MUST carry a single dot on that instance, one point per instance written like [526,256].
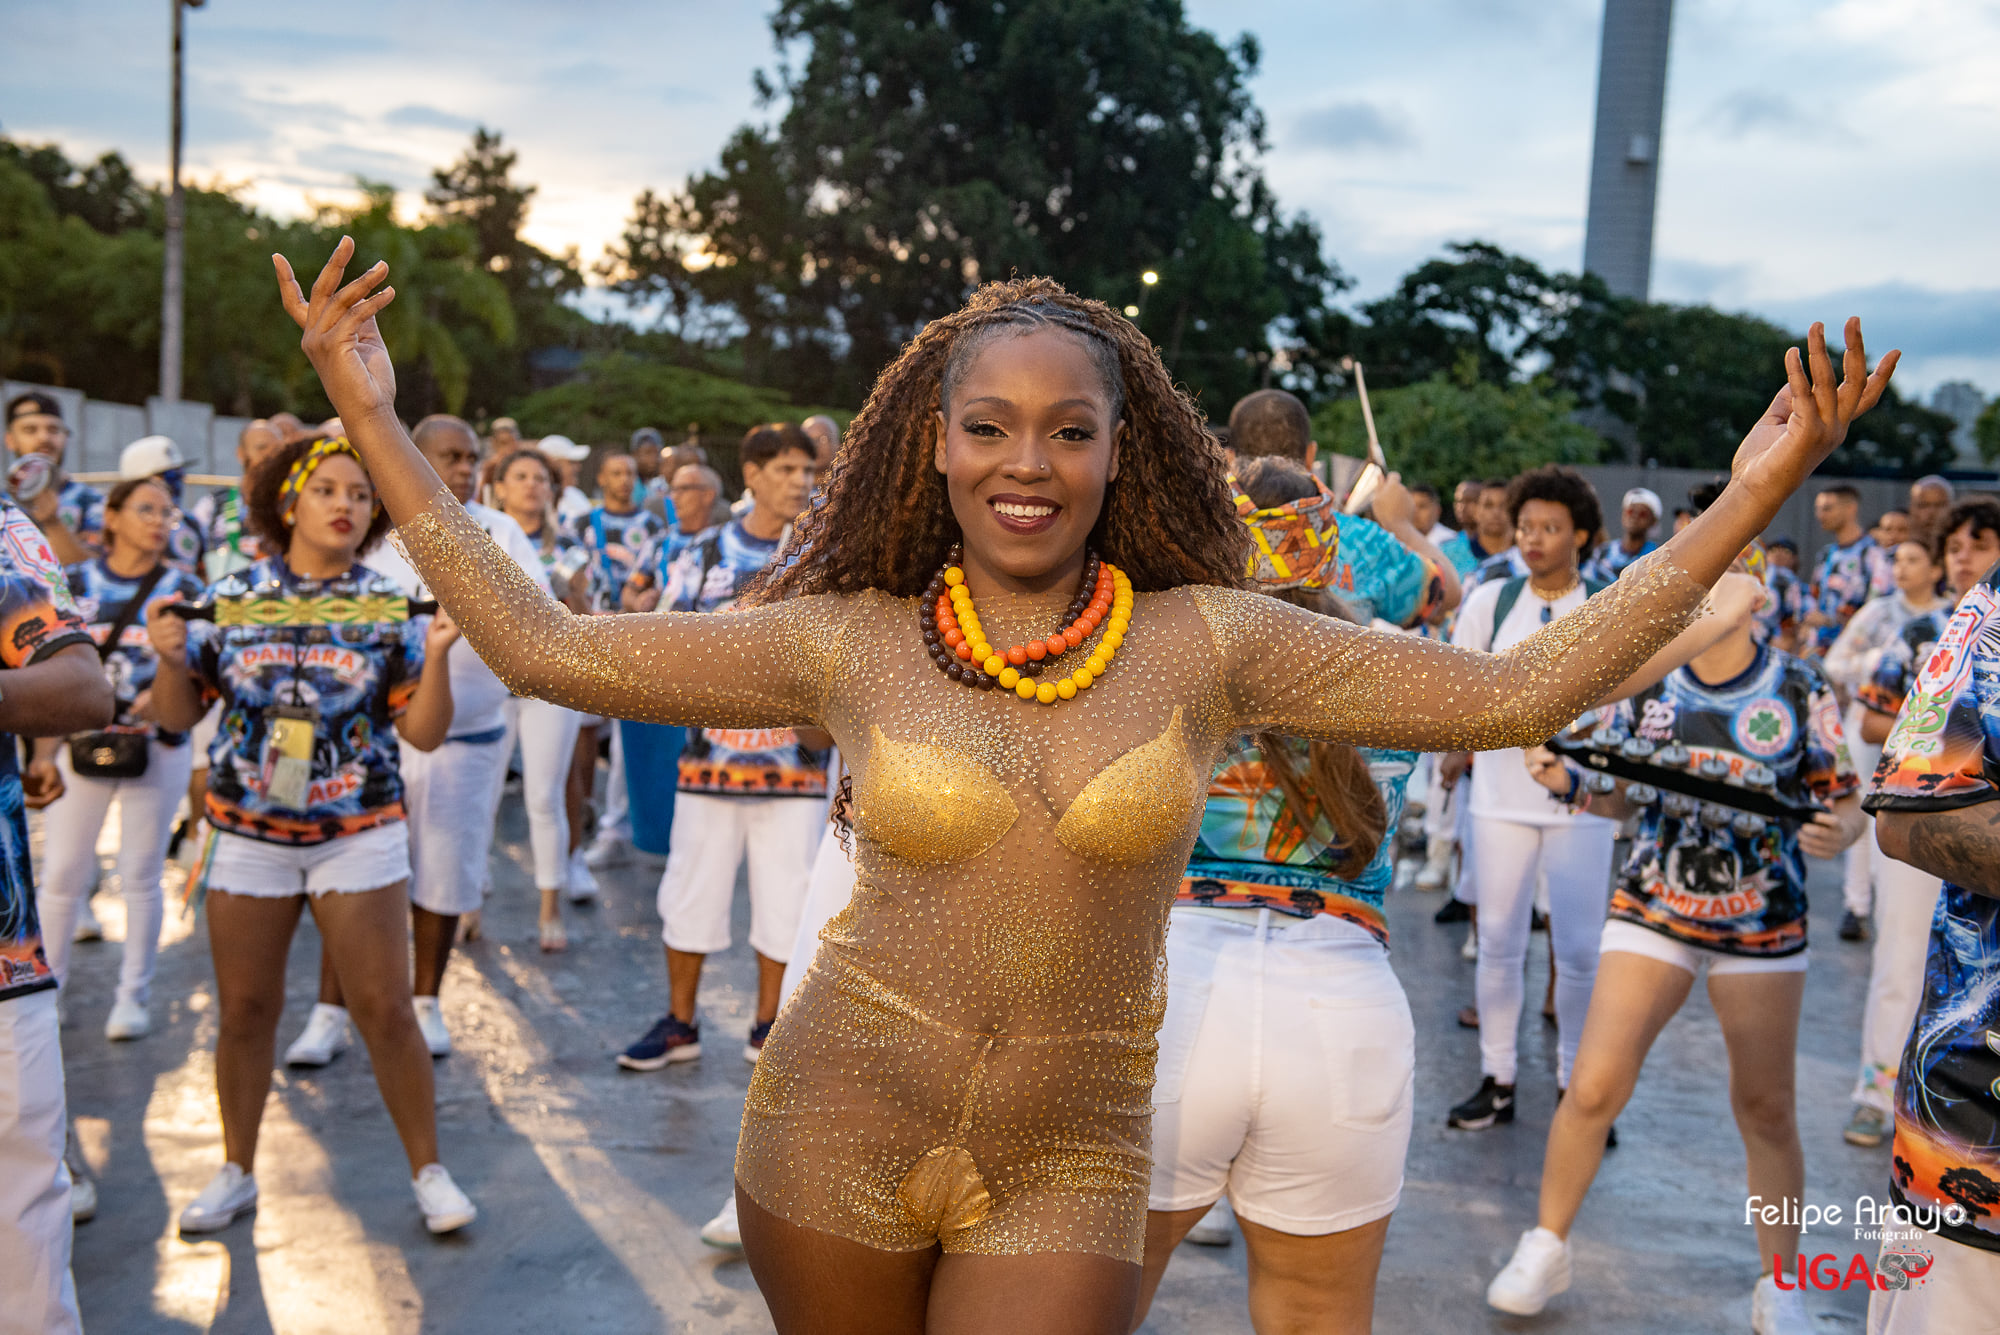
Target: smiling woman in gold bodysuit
[948,1129]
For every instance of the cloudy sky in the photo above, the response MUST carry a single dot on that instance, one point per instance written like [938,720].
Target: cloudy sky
[1820,157]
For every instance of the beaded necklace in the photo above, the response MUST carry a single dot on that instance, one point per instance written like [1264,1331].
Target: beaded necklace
[957,643]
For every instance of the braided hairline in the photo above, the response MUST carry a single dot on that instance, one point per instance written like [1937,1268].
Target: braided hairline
[884,519]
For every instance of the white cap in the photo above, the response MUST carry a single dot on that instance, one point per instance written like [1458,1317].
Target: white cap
[149,456]
[562,447]
[1644,496]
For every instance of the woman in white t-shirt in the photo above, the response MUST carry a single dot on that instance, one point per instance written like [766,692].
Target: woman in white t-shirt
[1517,830]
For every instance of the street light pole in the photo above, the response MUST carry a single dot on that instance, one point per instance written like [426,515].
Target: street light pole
[172,282]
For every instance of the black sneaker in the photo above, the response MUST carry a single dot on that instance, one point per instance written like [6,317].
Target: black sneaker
[670,1040]
[1852,927]
[753,1047]
[1494,1103]
[1454,910]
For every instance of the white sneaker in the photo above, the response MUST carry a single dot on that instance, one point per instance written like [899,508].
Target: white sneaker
[1437,866]
[723,1231]
[1776,1311]
[445,1207]
[231,1192]
[430,1020]
[326,1036]
[608,850]
[128,1019]
[1217,1228]
[1538,1272]
[582,885]
[1470,950]
[82,1190]
[87,926]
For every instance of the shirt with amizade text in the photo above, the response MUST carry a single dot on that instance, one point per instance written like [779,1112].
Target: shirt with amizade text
[1717,888]
[37,618]
[1944,755]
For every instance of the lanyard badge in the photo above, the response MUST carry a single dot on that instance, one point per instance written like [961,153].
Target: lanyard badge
[286,765]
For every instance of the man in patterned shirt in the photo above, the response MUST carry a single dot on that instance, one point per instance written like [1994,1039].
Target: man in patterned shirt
[69,513]
[1936,800]
[1848,573]
[51,683]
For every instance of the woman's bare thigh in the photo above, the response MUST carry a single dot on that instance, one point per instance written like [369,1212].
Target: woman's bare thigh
[818,1283]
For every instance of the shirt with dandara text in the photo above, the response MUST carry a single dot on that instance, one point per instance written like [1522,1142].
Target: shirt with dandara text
[1942,755]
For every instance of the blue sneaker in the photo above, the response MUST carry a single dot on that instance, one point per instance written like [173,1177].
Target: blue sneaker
[670,1040]
[753,1047]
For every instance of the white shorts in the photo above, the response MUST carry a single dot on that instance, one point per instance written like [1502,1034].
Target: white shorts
[352,863]
[451,795]
[1955,1296]
[711,837]
[1285,1073]
[1633,939]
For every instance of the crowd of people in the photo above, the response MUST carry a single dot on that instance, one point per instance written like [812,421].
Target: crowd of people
[1235,701]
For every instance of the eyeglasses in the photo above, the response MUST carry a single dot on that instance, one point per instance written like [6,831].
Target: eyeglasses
[150,512]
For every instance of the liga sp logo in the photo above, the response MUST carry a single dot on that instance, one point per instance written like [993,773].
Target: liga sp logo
[1902,1267]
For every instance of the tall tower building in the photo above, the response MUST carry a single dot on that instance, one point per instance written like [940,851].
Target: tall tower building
[1625,161]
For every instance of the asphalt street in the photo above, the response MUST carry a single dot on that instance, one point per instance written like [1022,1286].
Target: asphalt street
[592,1181]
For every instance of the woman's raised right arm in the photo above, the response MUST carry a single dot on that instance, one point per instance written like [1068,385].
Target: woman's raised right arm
[763,668]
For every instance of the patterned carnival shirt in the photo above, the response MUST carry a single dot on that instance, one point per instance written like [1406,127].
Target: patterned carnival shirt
[1718,889]
[1896,670]
[1944,754]
[1843,579]
[359,677]
[1783,609]
[614,542]
[101,597]
[745,762]
[37,618]
[1608,562]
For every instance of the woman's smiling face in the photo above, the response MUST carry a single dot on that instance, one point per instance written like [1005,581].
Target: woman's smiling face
[1027,444]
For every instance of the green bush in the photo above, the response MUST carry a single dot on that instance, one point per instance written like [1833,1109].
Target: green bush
[1442,431]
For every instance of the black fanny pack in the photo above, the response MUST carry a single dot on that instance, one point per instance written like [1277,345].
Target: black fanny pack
[120,754]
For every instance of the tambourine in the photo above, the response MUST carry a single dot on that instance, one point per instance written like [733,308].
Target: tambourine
[1669,774]
[307,603]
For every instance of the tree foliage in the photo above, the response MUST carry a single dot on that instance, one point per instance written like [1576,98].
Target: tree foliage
[619,393]
[1445,429]
[1986,432]
[925,148]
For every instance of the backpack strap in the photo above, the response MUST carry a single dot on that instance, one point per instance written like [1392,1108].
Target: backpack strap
[1510,593]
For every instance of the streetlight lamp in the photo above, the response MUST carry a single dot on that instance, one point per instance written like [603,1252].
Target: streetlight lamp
[171,285]
[1149,277]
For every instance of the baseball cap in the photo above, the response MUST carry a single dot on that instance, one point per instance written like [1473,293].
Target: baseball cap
[32,403]
[562,447]
[1645,496]
[149,456]
[647,435]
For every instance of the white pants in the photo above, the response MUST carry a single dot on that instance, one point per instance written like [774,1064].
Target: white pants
[1960,1295]
[827,893]
[547,735]
[1862,867]
[1577,859]
[36,1291]
[1285,1073]
[616,822]
[1440,803]
[1466,888]
[1905,900]
[712,836]
[146,807]
[452,796]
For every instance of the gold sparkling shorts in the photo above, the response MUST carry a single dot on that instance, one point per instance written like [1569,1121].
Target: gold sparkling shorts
[868,1121]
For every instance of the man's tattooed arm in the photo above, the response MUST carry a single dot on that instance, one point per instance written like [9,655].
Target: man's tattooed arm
[1962,846]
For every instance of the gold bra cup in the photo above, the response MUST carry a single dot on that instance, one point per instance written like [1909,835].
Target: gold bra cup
[923,803]
[1137,805]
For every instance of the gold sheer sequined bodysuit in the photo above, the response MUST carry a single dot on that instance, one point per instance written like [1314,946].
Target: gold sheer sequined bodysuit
[969,1062]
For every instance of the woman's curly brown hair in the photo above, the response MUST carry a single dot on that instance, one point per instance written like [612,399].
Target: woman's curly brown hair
[267,516]
[884,520]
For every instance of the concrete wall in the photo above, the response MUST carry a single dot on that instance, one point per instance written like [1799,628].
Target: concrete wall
[99,431]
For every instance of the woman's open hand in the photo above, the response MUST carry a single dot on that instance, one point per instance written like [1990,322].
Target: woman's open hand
[341,338]
[1810,415]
